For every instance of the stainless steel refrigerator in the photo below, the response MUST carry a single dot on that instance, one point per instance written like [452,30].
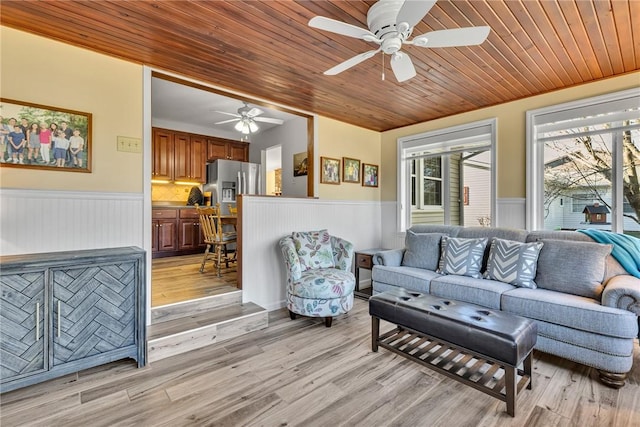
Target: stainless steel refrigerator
[228,178]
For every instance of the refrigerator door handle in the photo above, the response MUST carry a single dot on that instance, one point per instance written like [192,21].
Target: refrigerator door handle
[239,183]
[244,183]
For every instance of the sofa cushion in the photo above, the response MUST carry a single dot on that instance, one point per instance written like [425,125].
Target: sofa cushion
[572,267]
[422,250]
[573,311]
[450,230]
[493,232]
[476,291]
[314,249]
[513,262]
[411,278]
[461,257]
[612,266]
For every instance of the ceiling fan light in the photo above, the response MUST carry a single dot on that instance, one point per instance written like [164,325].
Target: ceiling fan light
[238,126]
[253,127]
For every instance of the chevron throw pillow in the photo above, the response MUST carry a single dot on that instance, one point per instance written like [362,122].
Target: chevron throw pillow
[462,257]
[513,262]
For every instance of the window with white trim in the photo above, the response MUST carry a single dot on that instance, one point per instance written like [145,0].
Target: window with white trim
[435,167]
[586,151]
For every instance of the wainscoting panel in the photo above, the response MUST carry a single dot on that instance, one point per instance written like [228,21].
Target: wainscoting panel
[35,221]
[511,213]
[266,219]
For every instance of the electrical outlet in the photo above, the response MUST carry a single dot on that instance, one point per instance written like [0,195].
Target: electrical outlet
[129,145]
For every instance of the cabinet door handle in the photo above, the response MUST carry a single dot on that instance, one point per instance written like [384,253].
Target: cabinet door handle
[37,321]
[59,327]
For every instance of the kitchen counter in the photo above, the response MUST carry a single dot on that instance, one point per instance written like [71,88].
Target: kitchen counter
[174,205]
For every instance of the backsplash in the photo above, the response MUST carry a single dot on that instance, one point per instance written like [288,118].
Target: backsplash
[170,192]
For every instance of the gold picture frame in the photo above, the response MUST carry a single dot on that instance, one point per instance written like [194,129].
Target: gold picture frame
[44,137]
[350,170]
[369,175]
[329,170]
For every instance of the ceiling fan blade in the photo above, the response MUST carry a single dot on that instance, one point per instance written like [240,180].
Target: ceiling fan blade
[268,120]
[413,11]
[350,62]
[339,27]
[469,36]
[254,112]
[402,66]
[228,114]
[226,121]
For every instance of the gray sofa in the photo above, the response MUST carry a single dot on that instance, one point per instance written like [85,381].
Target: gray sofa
[585,304]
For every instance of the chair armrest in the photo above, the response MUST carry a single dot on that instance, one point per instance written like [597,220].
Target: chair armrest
[623,292]
[342,253]
[390,258]
[291,259]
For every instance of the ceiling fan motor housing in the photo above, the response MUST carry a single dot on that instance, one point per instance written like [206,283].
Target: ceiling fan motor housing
[381,20]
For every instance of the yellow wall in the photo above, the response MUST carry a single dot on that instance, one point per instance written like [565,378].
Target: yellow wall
[46,72]
[511,151]
[337,140]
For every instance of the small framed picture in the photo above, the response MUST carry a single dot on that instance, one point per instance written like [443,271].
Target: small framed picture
[329,170]
[369,175]
[300,164]
[350,170]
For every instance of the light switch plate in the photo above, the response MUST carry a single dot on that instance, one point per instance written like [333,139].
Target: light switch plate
[130,145]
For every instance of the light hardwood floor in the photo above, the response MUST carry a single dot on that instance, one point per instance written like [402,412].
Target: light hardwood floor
[299,373]
[177,279]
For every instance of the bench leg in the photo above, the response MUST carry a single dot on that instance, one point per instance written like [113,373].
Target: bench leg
[528,361]
[375,332]
[510,374]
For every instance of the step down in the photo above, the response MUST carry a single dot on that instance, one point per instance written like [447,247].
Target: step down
[188,333]
[164,313]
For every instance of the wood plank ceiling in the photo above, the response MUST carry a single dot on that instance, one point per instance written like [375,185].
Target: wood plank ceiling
[265,49]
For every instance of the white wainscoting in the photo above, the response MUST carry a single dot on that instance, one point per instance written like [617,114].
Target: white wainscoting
[511,213]
[267,219]
[34,221]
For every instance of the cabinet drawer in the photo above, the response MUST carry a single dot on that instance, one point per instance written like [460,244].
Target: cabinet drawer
[364,261]
[164,213]
[188,213]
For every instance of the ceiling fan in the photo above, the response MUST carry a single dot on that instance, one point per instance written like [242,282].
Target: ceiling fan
[390,25]
[246,119]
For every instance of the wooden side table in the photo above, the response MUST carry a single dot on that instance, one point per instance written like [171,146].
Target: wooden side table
[364,259]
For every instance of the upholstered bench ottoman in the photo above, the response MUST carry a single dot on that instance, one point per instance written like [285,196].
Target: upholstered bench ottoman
[480,347]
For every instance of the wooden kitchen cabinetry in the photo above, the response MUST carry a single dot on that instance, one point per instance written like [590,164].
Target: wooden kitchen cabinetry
[162,154]
[175,231]
[178,156]
[189,157]
[69,311]
[220,148]
[163,231]
[189,235]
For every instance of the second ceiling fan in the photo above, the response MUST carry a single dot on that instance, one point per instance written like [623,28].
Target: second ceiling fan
[246,119]
[390,25]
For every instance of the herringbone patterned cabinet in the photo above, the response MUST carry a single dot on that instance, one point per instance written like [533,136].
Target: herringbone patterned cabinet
[23,347]
[68,311]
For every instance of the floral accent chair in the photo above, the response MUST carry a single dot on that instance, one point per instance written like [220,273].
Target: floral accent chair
[319,278]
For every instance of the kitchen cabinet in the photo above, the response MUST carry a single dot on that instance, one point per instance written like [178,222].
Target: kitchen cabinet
[163,230]
[189,158]
[162,154]
[68,311]
[220,148]
[178,156]
[189,234]
[175,231]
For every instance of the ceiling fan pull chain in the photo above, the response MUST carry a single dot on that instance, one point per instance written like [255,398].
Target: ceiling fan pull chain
[382,66]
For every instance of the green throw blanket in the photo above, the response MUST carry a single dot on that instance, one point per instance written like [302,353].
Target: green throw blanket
[626,249]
